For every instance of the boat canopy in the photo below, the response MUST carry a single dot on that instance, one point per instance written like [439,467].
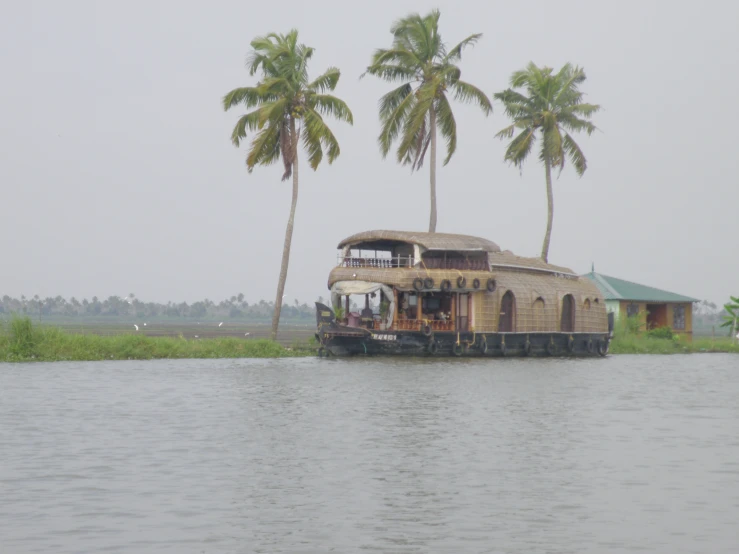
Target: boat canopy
[345,288]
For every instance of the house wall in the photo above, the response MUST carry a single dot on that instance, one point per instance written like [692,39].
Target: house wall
[621,312]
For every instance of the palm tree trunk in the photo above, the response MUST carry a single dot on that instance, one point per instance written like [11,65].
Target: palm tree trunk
[288,235]
[550,211]
[432,130]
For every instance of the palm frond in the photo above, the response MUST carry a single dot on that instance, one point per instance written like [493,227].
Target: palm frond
[247,122]
[393,122]
[414,122]
[327,81]
[327,104]
[465,92]
[506,133]
[390,101]
[317,135]
[390,72]
[249,96]
[577,158]
[455,54]
[520,147]
[265,148]
[447,126]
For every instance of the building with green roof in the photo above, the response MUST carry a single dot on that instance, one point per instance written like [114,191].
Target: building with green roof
[655,307]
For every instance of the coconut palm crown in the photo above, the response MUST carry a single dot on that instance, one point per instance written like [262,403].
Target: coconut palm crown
[419,59]
[286,107]
[553,105]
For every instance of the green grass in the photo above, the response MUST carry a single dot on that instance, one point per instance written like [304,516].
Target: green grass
[21,341]
[644,344]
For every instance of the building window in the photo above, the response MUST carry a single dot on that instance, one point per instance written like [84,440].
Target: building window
[632,309]
[678,317]
[567,321]
[586,304]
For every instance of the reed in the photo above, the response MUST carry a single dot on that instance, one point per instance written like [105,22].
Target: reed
[21,340]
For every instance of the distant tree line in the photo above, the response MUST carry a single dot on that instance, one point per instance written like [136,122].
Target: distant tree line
[235,307]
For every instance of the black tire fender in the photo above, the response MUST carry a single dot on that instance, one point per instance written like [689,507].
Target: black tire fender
[590,346]
[461,282]
[427,330]
[457,349]
[570,344]
[475,283]
[491,285]
[527,348]
[428,283]
[418,284]
[483,345]
[433,347]
[446,285]
[602,347]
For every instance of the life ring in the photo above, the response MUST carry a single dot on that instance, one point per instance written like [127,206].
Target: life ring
[418,284]
[461,282]
[491,285]
[551,348]
[570,344]
[527,348]
[428,283]
[476,283]
[602,347]
[590,347]
[446,285]
[483,345]
[503,348]
[457,349]
[427,330]
[433,347]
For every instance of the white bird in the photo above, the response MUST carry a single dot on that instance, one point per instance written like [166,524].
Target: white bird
[196,336]
[246,334]
[137,327]
[144,324]
[221,323]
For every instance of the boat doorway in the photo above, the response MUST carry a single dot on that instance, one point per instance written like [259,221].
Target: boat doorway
[506,321]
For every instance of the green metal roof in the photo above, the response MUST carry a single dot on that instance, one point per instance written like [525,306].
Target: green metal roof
[618,289]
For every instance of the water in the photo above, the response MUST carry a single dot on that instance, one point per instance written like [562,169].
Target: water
[625,454]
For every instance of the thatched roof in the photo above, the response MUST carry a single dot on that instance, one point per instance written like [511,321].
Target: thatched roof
[508,259]
[430,241]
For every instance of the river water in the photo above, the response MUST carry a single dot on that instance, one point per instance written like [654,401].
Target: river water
[623,454]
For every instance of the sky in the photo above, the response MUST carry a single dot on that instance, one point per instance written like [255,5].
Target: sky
[117,173]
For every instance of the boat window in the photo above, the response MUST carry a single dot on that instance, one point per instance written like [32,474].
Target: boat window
[567,323]
[586,304]
[506,322]
[539,321]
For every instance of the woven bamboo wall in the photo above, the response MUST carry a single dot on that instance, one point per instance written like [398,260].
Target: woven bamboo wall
[526,286]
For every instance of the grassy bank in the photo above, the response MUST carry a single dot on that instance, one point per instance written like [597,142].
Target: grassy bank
[644,344]
[21,340]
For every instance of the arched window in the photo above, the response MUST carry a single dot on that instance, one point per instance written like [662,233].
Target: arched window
[539,318]
[567,323]
[506,322]
[586,304]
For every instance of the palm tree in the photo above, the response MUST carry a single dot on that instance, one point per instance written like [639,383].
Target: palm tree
[420,60]
[552,104]
[286,107]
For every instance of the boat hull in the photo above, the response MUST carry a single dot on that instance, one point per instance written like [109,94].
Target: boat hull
[337,340]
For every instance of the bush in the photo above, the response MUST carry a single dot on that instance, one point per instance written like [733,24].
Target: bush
[661,333]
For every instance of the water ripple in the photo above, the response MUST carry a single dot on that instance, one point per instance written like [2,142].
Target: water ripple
[626,454]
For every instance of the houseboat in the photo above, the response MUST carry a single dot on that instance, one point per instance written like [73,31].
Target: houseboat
[438,294]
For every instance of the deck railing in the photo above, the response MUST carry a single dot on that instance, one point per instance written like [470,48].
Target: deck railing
[395,261]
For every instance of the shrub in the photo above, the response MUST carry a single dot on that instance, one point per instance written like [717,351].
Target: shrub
[661,333]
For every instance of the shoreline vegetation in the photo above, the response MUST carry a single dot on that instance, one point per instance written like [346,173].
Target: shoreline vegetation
[23,341]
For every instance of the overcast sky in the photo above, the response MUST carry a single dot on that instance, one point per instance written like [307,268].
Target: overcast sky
[118,174]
